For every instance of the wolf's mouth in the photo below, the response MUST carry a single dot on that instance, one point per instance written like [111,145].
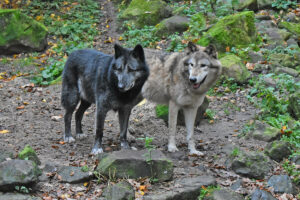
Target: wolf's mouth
[197,85]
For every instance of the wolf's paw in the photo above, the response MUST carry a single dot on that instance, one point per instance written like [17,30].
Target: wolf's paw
[69,139]
[195,152]
[81,136]
[172,148]
[125,145]
[96,151]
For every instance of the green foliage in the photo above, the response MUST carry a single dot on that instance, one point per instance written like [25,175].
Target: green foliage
[292,171]
[161,111]
[23,189]
[197,24]
[176,45]
[273,103]
[85,168]
[283,4]
[143,36]
[206,191]
[210,114]
[72,25]
[235,152]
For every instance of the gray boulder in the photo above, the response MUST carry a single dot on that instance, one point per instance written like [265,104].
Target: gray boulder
[287,70]
[281,184]
[262,195]
[278,150]
[120,191]
[136,164]
[18,172]
[184,188]
[172,25]
[70,174]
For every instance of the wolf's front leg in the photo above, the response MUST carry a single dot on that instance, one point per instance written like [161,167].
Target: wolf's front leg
[124,114]
[100,117]
[173,113]
[190,116]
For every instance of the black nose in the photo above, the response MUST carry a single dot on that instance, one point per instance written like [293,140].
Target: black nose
[193,80]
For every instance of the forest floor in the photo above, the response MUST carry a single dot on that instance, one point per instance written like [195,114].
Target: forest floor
[34,116]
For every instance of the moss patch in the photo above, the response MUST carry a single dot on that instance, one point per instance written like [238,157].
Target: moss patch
[162,112]
[236,30]
[29,154]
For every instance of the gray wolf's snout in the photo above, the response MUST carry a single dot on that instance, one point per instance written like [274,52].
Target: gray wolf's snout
[193,80]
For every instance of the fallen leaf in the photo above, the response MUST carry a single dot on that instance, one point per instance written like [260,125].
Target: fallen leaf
[227,49]
[72,173]
[20,107]
[56,118]
[4,131]
[85,184]
[25,103]
[55,147]
[62,142]
[120,38]
[142,102]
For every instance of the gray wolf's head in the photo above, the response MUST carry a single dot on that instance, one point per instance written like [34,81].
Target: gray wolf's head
[201,66]
[129,68]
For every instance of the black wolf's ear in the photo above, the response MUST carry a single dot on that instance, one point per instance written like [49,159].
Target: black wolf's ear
[211,51]
[191,48]
[118,51]
[138,52]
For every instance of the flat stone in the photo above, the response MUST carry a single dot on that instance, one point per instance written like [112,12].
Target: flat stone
[262,195]
[120,191]
[70,174]
[18,172]
[265,132]
[17,196]
[184,188]
[136,164]
[226,194]
[281,184]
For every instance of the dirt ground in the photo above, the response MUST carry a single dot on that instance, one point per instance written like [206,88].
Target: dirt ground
[34,116]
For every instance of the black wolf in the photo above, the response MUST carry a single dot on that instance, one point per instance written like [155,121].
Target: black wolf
[111,82]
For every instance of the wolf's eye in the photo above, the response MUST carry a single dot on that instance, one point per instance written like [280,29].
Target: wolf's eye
[131,68]
[191,64]
[117,67]
[203,65]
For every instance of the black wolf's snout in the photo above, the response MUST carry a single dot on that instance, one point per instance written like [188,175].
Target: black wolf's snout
[193,80]
[121,87]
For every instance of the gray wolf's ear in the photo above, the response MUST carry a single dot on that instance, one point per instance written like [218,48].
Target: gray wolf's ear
[118,51]
[211,51]
[191,48]
[138,52]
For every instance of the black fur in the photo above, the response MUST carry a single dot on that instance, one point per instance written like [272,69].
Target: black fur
[112,82]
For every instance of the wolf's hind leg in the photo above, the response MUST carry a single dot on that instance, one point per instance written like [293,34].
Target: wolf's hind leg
[189,116]
[84,105]
[70,98]
[173,113]
[124,114]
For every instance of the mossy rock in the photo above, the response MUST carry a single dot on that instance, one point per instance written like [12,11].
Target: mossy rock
[162,112]
[236,30]
[292,27]
[233,67]
[278,150]
[29,154]
[294,105]
[144,12]
[171,25]
[285,60]
[20,33]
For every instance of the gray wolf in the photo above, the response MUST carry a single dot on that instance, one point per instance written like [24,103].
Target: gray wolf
[181,81]
[111,82]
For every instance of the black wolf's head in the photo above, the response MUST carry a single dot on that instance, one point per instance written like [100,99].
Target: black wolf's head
[129,69]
